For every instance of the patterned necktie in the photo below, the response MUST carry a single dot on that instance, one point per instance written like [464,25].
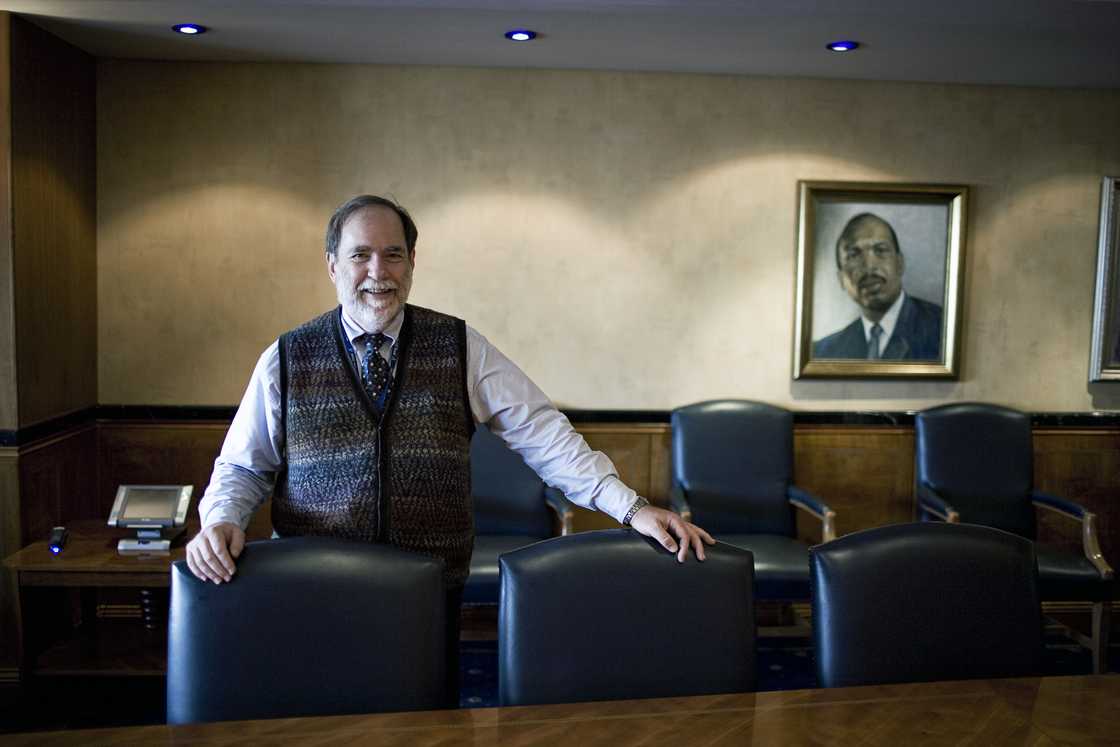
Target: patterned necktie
[375,369]
[873,353]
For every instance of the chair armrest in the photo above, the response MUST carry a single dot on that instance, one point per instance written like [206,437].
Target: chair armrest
[932,503]
[1088,520]
[679,504]
[815,506]
[562,507]
[1073,510]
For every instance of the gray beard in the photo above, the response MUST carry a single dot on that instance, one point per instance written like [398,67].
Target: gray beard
[368,318]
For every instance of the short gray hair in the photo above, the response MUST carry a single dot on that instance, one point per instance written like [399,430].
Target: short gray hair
[353,205]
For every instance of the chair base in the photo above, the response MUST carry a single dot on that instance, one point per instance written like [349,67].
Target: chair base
[783,620]
[478,622]
[1100,629]
[802,630]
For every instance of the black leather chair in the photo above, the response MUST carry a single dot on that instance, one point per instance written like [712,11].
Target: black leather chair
[511,510]
[974,464]
[732,475]
[308,626]
[925,602]
[609,614]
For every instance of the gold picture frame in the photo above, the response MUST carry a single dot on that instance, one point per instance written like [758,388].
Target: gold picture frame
[865,309]
[1104,347]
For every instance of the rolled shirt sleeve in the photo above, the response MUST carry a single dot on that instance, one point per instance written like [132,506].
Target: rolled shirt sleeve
[245,471]
[518,412]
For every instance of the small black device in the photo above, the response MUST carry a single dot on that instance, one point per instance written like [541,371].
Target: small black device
[57,541]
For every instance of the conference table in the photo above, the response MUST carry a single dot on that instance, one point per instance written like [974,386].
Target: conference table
[1034,711]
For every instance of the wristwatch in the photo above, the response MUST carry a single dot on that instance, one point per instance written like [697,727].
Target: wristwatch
[635,507]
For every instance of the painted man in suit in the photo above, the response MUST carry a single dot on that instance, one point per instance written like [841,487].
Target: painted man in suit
[892,325]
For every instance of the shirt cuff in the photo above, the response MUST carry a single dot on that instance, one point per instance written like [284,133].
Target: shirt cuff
[615,498]
[225,514]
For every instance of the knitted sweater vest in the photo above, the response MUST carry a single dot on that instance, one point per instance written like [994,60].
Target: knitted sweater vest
[404,479]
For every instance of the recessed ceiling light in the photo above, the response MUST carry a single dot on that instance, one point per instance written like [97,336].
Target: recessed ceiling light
[842,46]
[521,35]
[190,29]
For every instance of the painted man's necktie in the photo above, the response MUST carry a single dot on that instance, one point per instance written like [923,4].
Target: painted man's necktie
[873,352]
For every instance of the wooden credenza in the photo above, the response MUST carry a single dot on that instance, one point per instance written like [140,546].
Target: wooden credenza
[67,625]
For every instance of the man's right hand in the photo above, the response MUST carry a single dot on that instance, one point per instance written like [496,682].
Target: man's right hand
[210,554]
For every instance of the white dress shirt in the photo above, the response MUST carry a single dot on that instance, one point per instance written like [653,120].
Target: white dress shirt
[501,396]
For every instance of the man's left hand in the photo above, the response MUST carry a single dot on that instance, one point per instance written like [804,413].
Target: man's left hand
[662,525]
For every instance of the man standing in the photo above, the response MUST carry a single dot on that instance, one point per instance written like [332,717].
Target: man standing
[892,325]
[358,423]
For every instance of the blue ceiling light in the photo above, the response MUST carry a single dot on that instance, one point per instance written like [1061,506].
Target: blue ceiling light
[521,35]
[842,46]
[190,29]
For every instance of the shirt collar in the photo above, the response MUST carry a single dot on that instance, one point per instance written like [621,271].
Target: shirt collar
[354,330]
[888,322]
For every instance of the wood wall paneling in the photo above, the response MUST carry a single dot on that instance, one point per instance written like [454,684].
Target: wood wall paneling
[865,473]
[57,482]
[10,542]
[157,454]
[631,448]
[54,208]
[660,470]
[184,454]
[1081,466]
[9,410]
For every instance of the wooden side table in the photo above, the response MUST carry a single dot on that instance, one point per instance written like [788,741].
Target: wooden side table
[60,629]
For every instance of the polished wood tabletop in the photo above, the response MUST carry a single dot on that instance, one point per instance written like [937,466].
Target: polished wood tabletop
[90,558]
[1030,711]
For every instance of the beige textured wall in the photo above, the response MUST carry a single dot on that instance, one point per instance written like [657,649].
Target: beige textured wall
[627,238]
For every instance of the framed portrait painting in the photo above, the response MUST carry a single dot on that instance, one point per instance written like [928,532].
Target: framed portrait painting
[879,279]
[1104,350]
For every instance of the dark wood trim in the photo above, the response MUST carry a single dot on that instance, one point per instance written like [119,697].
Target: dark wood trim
[48,428]
[157,414]
[166,413]
[885,418]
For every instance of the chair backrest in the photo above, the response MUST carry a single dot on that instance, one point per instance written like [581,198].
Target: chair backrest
[734,461]
[925,602]
[508,495]
[607,615]
[979,458]
[308,626]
